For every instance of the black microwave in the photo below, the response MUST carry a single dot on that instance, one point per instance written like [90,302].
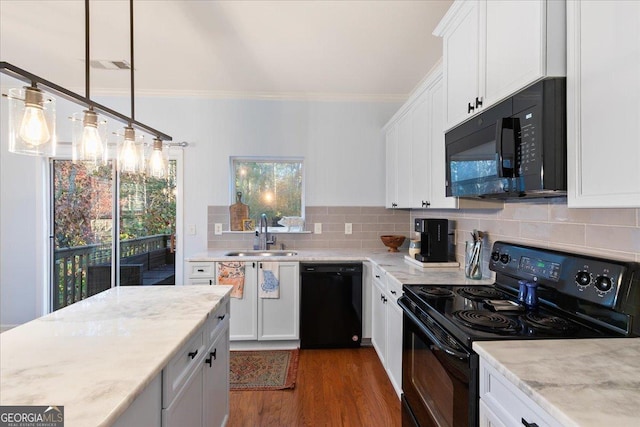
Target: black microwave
[515,149]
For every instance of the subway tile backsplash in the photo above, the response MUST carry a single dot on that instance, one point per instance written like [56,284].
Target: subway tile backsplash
[613,233]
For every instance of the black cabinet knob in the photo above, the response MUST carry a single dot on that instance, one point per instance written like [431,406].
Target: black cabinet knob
[211,358]
[193,354]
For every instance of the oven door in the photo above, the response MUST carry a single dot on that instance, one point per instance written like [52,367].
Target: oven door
[439,375]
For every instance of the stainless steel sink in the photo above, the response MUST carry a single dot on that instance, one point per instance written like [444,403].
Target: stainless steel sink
[261,253]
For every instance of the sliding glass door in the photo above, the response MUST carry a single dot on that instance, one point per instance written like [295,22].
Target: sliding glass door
[86,221]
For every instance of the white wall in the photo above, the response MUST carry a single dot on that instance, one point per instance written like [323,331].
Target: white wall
[341,142]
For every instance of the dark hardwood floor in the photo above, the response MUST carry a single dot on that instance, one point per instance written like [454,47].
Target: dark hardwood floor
[342,387]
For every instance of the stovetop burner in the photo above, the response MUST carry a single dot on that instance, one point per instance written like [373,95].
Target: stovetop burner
[479,293]
[548,323]
[484,320]
[436,292]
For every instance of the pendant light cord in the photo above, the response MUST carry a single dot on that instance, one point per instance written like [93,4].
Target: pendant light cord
[87,70]
[133,115]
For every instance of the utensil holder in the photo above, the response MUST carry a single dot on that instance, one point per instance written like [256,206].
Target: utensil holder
[472,262]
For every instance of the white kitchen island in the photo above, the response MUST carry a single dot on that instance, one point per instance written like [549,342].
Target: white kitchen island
[96,357]
[577,382]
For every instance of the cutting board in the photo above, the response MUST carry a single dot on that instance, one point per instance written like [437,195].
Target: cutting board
[237,212]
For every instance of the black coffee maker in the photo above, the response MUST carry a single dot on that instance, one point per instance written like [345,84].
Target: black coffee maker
[436,240]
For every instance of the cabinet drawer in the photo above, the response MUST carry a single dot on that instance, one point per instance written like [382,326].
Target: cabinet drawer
[508,403]
[180,368]
[216,322]
[380,275]
[394,287]
[201,269]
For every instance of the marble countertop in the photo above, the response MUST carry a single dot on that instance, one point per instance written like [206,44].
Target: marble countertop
[391,262]
[590,382]
[97,355]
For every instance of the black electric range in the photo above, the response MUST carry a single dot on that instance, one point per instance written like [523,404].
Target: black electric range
[538,294]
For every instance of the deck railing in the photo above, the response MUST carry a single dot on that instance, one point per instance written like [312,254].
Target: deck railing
[71,265]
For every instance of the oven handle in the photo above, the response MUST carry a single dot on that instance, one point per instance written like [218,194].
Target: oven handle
[429,334]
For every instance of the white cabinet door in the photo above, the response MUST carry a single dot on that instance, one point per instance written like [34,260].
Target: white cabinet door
[186,409]
[403,156]
[461,63]
[279,318]
[603,112]
[420,152]
[244,311]
[437,171]
[394,345]
[514,47]
[379,321]
[216,382]
[391,165]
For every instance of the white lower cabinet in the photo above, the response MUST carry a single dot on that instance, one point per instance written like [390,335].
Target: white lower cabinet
[267,319]
[386,325]
[195,382]
[503,404]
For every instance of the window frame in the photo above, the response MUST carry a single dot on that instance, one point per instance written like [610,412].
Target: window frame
[268,159]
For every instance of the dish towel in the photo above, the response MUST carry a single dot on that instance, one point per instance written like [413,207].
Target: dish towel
[269,280]
[232,273]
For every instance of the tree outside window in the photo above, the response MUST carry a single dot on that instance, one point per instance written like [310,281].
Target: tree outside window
[270,186]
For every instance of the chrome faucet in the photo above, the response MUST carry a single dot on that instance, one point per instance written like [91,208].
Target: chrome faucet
[264,235]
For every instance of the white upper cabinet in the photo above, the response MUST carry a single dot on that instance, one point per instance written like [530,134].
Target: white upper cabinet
[461,62]
[415,150]
[603,111]
[492,49]
[391,166]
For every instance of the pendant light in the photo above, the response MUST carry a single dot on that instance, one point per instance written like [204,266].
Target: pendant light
[89,139]
[32,122]
[157,165]
[131,153]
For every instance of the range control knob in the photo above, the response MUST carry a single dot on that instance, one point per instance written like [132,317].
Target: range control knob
[604,283]
[495,256]
[583,278]
[505,258]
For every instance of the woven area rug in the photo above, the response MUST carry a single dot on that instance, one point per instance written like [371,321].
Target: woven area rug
[263,370]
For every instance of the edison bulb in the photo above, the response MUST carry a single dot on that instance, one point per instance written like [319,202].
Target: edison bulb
[91,143]
[128,157]
[156,164]
[34,129]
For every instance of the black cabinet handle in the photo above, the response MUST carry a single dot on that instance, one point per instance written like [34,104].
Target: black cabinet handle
[193,354]
[200,270]
[211,358]
[221,317]
[393,292]
[210,282]
[377,276]
[425,203]
[253,265]
[394,205]
[527,424]
[470,107]
[478,102]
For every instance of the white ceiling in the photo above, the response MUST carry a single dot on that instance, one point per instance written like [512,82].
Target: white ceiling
[378,50]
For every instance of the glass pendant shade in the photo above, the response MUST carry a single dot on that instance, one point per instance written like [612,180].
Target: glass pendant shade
[157,164]
[32,122]
[131,153]
[89,138]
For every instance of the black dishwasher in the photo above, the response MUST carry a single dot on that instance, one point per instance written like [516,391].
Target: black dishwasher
[330,305]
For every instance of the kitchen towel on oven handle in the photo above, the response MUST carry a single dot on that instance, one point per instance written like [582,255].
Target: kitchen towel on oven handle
[269,280]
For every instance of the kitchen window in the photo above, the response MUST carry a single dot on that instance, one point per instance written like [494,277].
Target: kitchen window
[274,186]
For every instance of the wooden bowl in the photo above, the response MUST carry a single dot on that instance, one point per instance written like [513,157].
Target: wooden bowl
[392,242]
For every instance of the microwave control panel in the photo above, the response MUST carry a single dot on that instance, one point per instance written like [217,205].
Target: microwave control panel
[528,148]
